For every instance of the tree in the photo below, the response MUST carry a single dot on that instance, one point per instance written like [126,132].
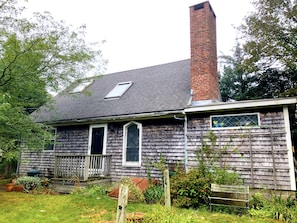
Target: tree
[237,84]
[37,55]
[270,49]
[271,44]
[234,80]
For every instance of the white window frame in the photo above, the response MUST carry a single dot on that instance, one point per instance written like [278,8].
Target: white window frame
[125,128]
[118,91]
[234,127]
[104,138]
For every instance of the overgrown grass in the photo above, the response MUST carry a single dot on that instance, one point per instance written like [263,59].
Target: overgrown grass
[92,206]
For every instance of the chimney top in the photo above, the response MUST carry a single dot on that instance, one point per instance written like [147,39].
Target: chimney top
[201,6]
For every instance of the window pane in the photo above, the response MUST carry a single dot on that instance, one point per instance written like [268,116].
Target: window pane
[51,144]
[81,86]
[118,90]
[244,120]
[132,152]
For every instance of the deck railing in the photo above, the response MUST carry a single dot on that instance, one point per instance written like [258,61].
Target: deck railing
[82,166]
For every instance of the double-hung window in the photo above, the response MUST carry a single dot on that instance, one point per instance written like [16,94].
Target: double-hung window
[50,146]
[132,144]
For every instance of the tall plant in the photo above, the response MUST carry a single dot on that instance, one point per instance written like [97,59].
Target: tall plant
[192,189]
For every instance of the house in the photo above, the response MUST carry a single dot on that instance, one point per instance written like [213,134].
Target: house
[115,124]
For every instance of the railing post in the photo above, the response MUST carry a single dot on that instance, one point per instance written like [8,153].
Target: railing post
[56,167]
[87,165]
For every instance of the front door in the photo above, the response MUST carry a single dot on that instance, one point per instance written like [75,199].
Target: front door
[97,146]
[97,140]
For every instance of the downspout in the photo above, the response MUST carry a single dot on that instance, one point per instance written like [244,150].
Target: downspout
[185,139]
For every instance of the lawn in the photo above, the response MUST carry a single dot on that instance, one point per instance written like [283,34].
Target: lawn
[93,207]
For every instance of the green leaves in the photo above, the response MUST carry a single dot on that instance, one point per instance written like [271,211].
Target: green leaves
[37,54]
[270,33]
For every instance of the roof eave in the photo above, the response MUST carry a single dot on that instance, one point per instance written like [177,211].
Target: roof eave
[117,118]
[242,105]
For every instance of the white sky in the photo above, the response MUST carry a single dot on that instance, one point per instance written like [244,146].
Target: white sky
[142,33]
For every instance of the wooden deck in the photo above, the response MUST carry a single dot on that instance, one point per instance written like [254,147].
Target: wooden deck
[83,166]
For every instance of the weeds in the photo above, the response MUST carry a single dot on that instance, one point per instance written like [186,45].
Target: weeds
[275,207]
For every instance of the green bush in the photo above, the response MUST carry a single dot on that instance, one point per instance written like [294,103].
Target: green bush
[30,183]
[190,190]
[153,194]
[225,176]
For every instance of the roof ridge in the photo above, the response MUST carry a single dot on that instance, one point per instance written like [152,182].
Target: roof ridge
[142,68]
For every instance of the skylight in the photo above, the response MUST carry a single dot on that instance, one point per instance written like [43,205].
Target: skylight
[118,90]
[81,86]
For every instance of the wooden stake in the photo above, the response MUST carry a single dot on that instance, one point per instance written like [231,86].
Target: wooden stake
[122,203]
[167,189]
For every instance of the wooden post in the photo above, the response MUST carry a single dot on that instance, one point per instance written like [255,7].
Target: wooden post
[167,189]
[251,158]
[87,166]
[122,203]
[56,166]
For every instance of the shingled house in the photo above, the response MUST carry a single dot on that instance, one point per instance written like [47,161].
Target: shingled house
[114,124]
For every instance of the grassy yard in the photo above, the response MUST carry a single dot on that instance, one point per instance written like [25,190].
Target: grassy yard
[91,207]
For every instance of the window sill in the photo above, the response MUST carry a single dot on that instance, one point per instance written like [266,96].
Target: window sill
[131,164]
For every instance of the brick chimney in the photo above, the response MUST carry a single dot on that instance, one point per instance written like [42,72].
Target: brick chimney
[204,75]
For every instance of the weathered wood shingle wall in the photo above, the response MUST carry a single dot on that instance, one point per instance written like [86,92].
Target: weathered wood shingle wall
[70,140]
[159,138]
[259,155]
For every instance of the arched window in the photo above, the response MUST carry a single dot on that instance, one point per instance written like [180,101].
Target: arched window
[132,144]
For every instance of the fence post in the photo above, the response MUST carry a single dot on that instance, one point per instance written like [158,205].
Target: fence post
[167,189]
[122,203]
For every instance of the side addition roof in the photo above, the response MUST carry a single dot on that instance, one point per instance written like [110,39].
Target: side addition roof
[161,88]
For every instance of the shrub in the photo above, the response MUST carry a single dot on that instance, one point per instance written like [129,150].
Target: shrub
[190,190]
[30,183]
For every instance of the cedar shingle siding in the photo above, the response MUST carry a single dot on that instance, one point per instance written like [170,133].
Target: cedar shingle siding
[249,151]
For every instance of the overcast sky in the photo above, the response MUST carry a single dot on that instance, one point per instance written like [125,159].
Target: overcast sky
[140,33]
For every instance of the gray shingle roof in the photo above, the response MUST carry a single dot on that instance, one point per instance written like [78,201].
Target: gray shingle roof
[158,88]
